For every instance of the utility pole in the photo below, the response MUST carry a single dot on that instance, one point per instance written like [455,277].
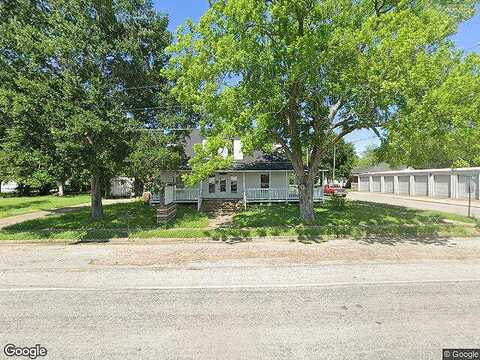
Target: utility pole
[471,181]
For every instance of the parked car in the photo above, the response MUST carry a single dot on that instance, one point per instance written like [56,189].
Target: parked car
[331,190]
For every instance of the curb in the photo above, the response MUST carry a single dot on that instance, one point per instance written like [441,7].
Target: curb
[226,241]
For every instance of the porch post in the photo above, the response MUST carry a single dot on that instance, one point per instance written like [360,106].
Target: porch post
[270,186]
[200,193]
[287,187]
[244,191]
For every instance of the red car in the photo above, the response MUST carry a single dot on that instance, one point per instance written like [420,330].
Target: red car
[331,190]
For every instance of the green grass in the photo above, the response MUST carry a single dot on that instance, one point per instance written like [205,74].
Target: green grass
[344,213]
[119,220]
[333,219]
[11,206]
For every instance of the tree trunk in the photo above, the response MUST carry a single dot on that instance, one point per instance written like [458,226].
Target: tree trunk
[305,192]
[96,197]
[61,188]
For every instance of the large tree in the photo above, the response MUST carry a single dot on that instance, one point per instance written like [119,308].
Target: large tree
[98,65]
[442,129]
[291,72]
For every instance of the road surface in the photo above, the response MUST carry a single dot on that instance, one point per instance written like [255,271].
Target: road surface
[459,207]
[246,301]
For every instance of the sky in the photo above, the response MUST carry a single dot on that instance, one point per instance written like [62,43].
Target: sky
[467,38]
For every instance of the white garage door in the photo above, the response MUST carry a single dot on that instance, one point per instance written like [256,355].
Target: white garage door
[421,185]
[364,183]
[388,183]
[466,183]
[442,186]
[404,185]
[376,184]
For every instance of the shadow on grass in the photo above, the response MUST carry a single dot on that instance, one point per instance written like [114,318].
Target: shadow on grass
[15,205]
[352,213]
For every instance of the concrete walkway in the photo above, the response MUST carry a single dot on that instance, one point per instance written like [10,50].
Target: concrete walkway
[459,207]
[5,222]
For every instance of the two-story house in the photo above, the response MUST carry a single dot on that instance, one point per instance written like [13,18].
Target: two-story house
[257,178]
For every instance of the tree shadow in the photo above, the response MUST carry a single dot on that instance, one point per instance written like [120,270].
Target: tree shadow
[20,205]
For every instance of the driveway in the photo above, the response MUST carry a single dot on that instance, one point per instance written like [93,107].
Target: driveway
[459,207]
[5,222]
[336,300]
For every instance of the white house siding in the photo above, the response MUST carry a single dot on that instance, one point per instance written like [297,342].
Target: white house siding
[278,180]
[8,187]
[421,185]
[376,183]
[223,195]
[388,183]
[121,187]
[442,186]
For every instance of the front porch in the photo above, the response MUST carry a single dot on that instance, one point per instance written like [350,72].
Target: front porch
[250,195]
[247,187]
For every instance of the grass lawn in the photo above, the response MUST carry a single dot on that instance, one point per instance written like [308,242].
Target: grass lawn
[11,206]
[120,220]
[352,219]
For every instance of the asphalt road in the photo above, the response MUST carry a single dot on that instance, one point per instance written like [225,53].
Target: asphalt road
[76,304]
[459,207]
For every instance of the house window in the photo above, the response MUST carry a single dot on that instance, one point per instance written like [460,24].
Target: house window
[211,185]
[264,181]
[233,184]
[223,184]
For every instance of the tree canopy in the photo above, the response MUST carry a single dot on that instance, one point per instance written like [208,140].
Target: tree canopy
[441,129]
[79,79]
[295,72]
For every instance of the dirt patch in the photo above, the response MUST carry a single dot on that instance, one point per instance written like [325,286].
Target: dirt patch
[345,251]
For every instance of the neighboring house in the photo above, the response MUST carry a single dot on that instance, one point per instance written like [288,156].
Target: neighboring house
[257,178]
[8,187]
[122,186]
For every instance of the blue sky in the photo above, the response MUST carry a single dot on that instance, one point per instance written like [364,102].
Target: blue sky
[180,10]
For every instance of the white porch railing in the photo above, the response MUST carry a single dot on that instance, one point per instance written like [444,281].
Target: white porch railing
[186,195]
[281,194]
[169,194]
[176,195]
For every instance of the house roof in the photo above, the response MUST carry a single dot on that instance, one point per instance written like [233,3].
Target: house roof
[258,161]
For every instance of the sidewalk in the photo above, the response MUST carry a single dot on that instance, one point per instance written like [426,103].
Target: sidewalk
[453,206]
